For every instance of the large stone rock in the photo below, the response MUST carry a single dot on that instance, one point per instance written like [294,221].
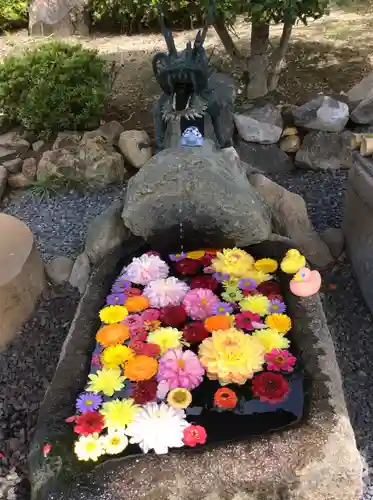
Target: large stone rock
[3,180]
[14,141]
[67,140]
[316,460]
[260,122]
[105,232]
[360,91]
[80,272]
[363,113]
[325,151]
[59,269]
[22,276]
[92,161]
[290,219]
[322,113]
[135,147]
[109,130]
[198,188]
[13,166]
[268,159]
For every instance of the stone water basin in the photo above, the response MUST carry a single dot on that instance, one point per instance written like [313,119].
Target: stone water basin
[313,442]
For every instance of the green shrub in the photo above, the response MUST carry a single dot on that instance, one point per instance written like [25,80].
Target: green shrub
[54,87]
[12,12]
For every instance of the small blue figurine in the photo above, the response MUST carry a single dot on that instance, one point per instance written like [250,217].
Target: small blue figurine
[191,137]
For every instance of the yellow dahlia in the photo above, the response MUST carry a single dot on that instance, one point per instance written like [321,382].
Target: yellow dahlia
[119,413]
[113,314]
[234,262]
[257,304]
[279,322]
[166,337]
[258,276]
[116,355]
[271,339]
[179,398]
[231,356]
[266,265]
[107,380]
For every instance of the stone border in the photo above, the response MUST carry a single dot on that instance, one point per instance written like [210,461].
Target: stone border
[316,460]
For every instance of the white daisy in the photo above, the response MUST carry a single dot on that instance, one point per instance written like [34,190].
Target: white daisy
[115,442]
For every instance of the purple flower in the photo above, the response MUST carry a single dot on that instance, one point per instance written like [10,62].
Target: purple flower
[247,284]
[221,277]
[222,308]
[277,307]
[88,402]
[121,284]
[116,299]
[176,257]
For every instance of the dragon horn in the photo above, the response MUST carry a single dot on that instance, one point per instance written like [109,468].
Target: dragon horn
[201,35]
[167,33]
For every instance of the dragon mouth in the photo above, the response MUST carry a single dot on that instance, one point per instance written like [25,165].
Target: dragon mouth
[184,103]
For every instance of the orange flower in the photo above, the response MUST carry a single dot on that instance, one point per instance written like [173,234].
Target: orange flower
[211,251]
[225,398]
[114,334]
[141,368]
[137,303]
[218,322]
[151,326]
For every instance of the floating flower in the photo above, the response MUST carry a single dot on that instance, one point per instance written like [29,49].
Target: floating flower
[112,335]
[121,285]
[116,299]
[206,261]
[234,262]
[279,322]
[137,304]
[162,389]
[274,296]
[270,387]
[147,268]
[179,398]
[151,315]
[89,448]
[96,362]
[107,381]
[231,356]
[222,308]
[213,323]
[88,402]
[151,326]
[153,252]
[141,368]
[115,442]
[232,294]
[258,276]
[176,257]
[280,360]
[257,304]
[269,287]
[133,321]
[266,265]
[158,427]
[209,270]
[132,292]
[174,316]
[204,282]
[166,292]
[196,254]
[195,332]
[145,348]
[113,314]
[225,398]
[139,333]
[166,338]
[188,267]
[277,307]
[271,339]
[118,414]
[247,284]
[244,320]
[199,302]
[47,448]
[180,369]
[116,356]
[89,422]
[144,391]
[195,434]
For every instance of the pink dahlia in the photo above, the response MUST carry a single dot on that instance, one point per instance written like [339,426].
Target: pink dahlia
[200,302]
[180,369]
[146,268]
[150,315]
[280,360]
[133,321]
[166,292]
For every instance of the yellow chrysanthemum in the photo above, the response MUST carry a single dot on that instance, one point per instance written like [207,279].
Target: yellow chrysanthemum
[235,262]
[179,398]
[196,254]
[271,339]
[113,314]
[231,357]
[107,381]
[119,413]
[279,322]
[89,447]
[166,338]
[266,265]
[258,276]
[115,442]
[116,355]
[257,304]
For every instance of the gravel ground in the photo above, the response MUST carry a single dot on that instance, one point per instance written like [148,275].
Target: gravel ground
[59,225]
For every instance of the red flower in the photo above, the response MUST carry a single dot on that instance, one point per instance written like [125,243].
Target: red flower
[139,333]
[89,423]
[206,260]
[195,434]
[244,320]
[132,292]
[269,287]
[204,282]
[249,292]
[153,252]
[275,296]
[195,332]
[173,316]
[225,398]
[151,350]
[47,448]
[270,387]
[144,391]
[187,267]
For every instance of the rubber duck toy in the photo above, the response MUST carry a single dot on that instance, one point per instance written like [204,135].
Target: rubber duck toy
[292,261]
[305,283]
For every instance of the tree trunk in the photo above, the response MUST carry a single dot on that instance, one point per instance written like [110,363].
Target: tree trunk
[258,61]
[227,41]
[279,55]
[61,18]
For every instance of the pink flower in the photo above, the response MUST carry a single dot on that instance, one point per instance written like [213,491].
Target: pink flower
[146,268]
[180,369]
[163,389]
[200,302]
[166,292]
[151,315]
[138,333]
[133,321]
[244,320]
[280,360]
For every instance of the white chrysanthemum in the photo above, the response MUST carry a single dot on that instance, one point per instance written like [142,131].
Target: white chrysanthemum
[166,292]
[89,447]
[158,427]
[146,268]
[115,442]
